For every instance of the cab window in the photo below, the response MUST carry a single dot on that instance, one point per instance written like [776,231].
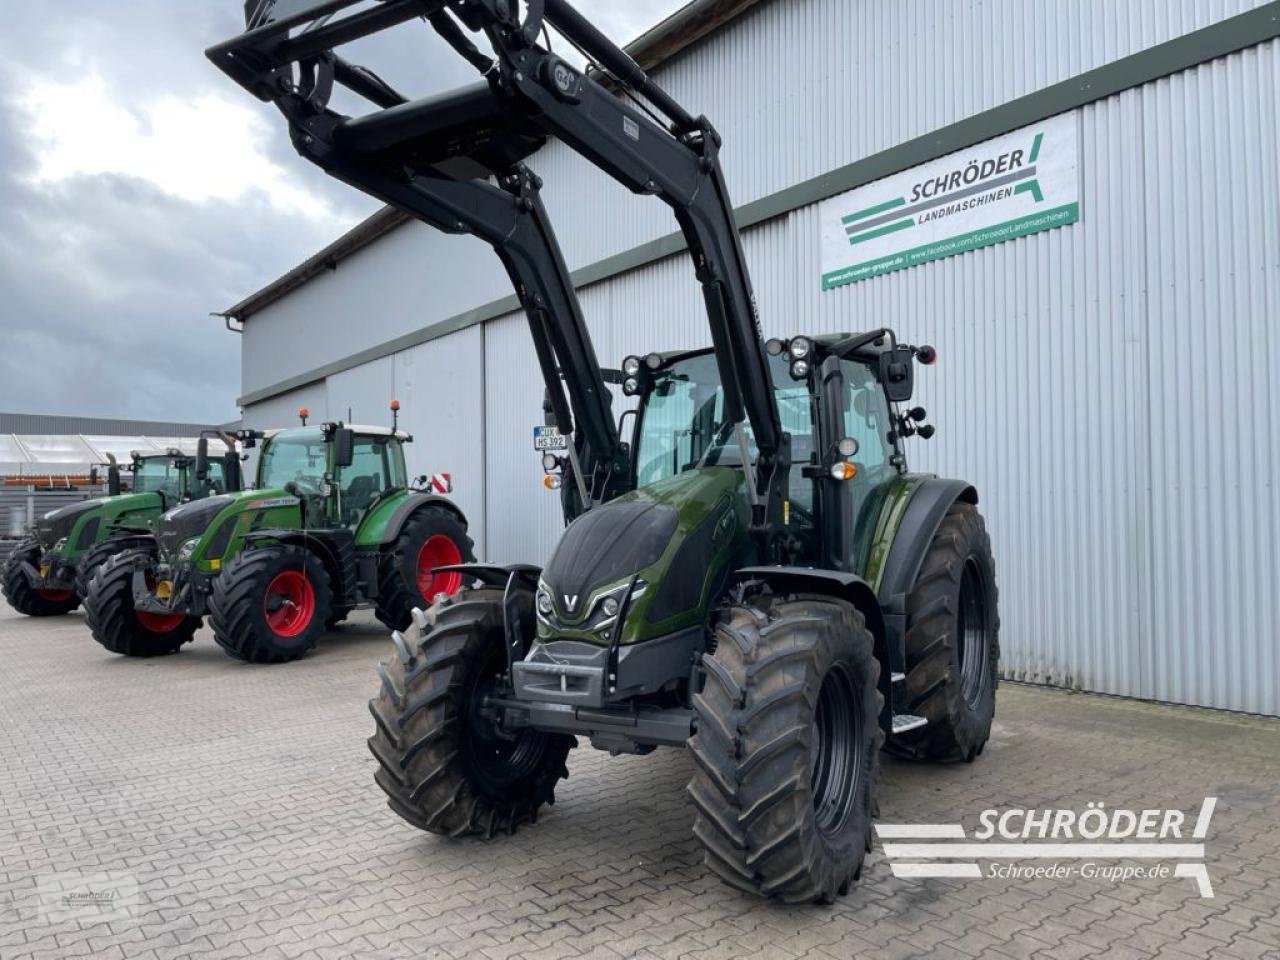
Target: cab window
[683,425]
[158,475]
[377,465]
[866,417]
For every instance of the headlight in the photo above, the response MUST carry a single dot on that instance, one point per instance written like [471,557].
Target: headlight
[188,548]
[799,369]
[57,547]
[631,386]
[631,366]
[610,606]
[544,604]
[800,347]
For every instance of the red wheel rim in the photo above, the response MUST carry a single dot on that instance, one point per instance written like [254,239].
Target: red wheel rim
[159,622]
[289,603]
[55,596]
[438,551]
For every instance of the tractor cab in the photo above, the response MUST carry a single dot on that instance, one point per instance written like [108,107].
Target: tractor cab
[338,472]
[842,422]
[174,476]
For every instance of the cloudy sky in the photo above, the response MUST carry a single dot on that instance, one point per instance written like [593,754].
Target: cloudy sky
[140,190]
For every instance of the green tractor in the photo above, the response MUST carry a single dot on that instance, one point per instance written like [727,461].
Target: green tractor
[332,524]
[752,575]
[49,573]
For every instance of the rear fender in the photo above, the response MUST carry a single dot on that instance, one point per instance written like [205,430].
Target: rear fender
[384,522]
[924,513]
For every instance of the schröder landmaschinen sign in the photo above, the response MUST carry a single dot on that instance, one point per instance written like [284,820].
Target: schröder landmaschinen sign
[1016,184]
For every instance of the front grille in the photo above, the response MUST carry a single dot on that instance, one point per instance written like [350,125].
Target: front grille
[189,520]
[56,524]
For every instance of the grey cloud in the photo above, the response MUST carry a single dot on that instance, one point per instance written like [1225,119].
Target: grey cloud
[106,282]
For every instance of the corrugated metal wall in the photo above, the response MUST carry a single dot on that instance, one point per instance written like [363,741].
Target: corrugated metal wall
[796,87]
[1108,386]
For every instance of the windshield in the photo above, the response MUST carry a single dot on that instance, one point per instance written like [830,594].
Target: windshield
[158,475]
[294,456]
[683,425]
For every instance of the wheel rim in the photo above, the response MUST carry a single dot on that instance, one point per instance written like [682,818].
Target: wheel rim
[55,596]
[838,751]
[159,622]
[973,633]
[289,603]
[438,551]
[498,763]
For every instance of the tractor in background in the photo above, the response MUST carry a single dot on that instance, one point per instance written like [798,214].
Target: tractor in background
[49,573]
[331,524]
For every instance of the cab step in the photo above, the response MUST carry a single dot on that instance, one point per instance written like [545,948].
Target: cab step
[904,722]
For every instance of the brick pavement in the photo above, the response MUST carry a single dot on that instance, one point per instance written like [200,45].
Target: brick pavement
[240,799]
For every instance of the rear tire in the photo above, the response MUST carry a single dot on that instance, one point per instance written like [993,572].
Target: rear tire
[118,626]
[101,552]
[22,596]
[432,536]
[270,604]
[787,747]
[952,642]
[441,766]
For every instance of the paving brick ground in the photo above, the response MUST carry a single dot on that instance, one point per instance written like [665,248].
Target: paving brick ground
[240,801]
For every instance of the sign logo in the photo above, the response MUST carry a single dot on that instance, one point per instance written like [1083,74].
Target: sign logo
[1095,843]
[1008,187]
[570,602]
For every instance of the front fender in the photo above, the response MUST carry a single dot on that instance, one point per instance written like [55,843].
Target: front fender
[928,505]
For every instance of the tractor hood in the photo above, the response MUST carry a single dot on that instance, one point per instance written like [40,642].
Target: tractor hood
[676,536]
[217,520]
[58,524]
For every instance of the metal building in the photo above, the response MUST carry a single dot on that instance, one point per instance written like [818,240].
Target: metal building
[1107,383]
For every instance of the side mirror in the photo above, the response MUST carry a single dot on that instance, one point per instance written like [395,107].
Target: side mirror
[202,461]
[231,470]
[897,373]
[344,447]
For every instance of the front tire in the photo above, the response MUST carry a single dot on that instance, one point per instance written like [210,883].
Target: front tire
[432,537]
[25,598]
[100,553]
[952,641]
[786,752]
[270,604]
[442,766]
[122,629]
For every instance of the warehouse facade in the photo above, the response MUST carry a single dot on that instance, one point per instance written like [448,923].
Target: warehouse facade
[1106,374]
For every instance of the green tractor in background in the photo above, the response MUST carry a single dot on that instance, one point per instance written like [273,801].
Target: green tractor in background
[49,573]
[332,524]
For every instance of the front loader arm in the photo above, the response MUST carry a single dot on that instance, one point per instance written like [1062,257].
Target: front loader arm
[678,162]
[434,159]
[676,159]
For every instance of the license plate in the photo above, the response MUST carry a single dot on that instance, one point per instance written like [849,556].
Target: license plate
[549,438]
[164,590]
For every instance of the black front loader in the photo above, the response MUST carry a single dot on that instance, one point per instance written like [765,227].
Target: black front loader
[424,155]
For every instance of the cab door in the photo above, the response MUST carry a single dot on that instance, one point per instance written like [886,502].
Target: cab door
[865,416]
